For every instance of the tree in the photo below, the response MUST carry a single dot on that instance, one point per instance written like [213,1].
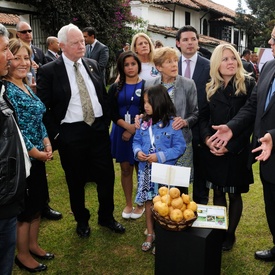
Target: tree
[112,20]
[248,24]
[264,16]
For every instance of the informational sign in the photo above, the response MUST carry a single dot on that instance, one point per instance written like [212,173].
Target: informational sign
[264,55]
[211,216]
[170,174]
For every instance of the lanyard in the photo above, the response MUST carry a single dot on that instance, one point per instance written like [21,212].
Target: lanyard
[152,137]
[128,106]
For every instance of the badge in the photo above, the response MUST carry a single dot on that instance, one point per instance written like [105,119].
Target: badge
[138,92]
[128,118]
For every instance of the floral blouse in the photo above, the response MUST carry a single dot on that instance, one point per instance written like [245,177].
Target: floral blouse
[29,111]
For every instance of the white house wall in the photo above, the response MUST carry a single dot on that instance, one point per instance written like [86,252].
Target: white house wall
[160,17]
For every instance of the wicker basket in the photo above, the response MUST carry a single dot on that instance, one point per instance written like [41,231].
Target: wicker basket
[171,225]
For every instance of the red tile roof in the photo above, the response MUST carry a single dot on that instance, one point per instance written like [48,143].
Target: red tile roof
[169,31]
[197,5]
[9,19]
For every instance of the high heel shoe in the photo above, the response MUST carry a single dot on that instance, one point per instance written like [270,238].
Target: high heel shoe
[47,256]
[146,246]
[40,267]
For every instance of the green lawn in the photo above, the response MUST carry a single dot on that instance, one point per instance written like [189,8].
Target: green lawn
[107,253]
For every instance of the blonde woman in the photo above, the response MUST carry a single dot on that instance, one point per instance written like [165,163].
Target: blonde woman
[144,48]
[226,168]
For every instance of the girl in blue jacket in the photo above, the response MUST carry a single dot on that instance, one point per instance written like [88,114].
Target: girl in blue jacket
[155,141]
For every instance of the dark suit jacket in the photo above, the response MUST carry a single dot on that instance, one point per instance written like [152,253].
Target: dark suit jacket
[264,119]
[100,53]
[200,77]
[50,56]
[53,88]
[39,56]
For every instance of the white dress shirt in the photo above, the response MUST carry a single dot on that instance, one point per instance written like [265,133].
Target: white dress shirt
[74,112]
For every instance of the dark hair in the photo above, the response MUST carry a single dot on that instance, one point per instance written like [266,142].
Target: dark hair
[162,105]
[120,66]
[90,30]
[186,28]
[245,52]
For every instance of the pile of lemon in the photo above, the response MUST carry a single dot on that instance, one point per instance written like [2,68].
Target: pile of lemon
[171,205]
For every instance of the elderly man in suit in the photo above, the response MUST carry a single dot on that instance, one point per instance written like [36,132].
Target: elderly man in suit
[187,42]
[96,50]
[77,120]
[259,109]
[53,48]
[24,32]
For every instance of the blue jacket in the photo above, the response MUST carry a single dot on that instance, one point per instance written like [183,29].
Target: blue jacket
[169,143]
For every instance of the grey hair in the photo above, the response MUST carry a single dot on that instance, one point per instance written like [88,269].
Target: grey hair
[63,32]
[3,31]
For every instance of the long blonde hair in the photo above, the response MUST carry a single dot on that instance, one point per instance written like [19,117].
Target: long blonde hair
[216,79]
[133,44]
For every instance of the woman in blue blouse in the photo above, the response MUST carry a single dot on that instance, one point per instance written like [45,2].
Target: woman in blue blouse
[29,110]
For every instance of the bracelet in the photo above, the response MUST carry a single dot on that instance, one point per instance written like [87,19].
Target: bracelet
[48,144]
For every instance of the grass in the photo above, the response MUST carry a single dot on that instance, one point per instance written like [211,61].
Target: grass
[107,253]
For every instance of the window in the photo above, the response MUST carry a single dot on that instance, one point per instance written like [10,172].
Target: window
[187,18]
[205,27]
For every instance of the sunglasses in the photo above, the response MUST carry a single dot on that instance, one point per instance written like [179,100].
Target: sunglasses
[24,32]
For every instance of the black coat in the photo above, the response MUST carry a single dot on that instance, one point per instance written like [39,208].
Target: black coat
[12,167]
[231,169]
[265,122]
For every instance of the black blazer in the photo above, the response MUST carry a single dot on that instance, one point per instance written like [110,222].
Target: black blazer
[264,119]
[39,56]
[53,88]
[49,56]
[100,53]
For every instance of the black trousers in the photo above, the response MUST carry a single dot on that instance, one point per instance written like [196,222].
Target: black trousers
[85,155]
[200,191]
[269,199]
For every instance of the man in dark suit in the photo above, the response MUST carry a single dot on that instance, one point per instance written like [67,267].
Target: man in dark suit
[96,50]
[53,48]
[187,40]
[84,149]
[246,56]
[259,109]
[254,61]
[24,32]
[125,48]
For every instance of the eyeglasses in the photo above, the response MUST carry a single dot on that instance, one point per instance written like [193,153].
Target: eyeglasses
[273,39]
[24,32]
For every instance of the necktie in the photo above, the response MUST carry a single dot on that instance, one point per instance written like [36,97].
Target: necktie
[87,107]
[56,55]
[188,69]
[91,49]
[270,93]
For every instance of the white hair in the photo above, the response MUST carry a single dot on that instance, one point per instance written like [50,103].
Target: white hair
[63,32]
[3,31]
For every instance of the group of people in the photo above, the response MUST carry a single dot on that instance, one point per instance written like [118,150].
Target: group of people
[22,107]
[222,91]
[182,110]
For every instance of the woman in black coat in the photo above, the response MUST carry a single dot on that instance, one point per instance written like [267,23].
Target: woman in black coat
[226,168]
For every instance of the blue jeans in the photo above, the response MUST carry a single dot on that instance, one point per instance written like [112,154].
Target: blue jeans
[7,245]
